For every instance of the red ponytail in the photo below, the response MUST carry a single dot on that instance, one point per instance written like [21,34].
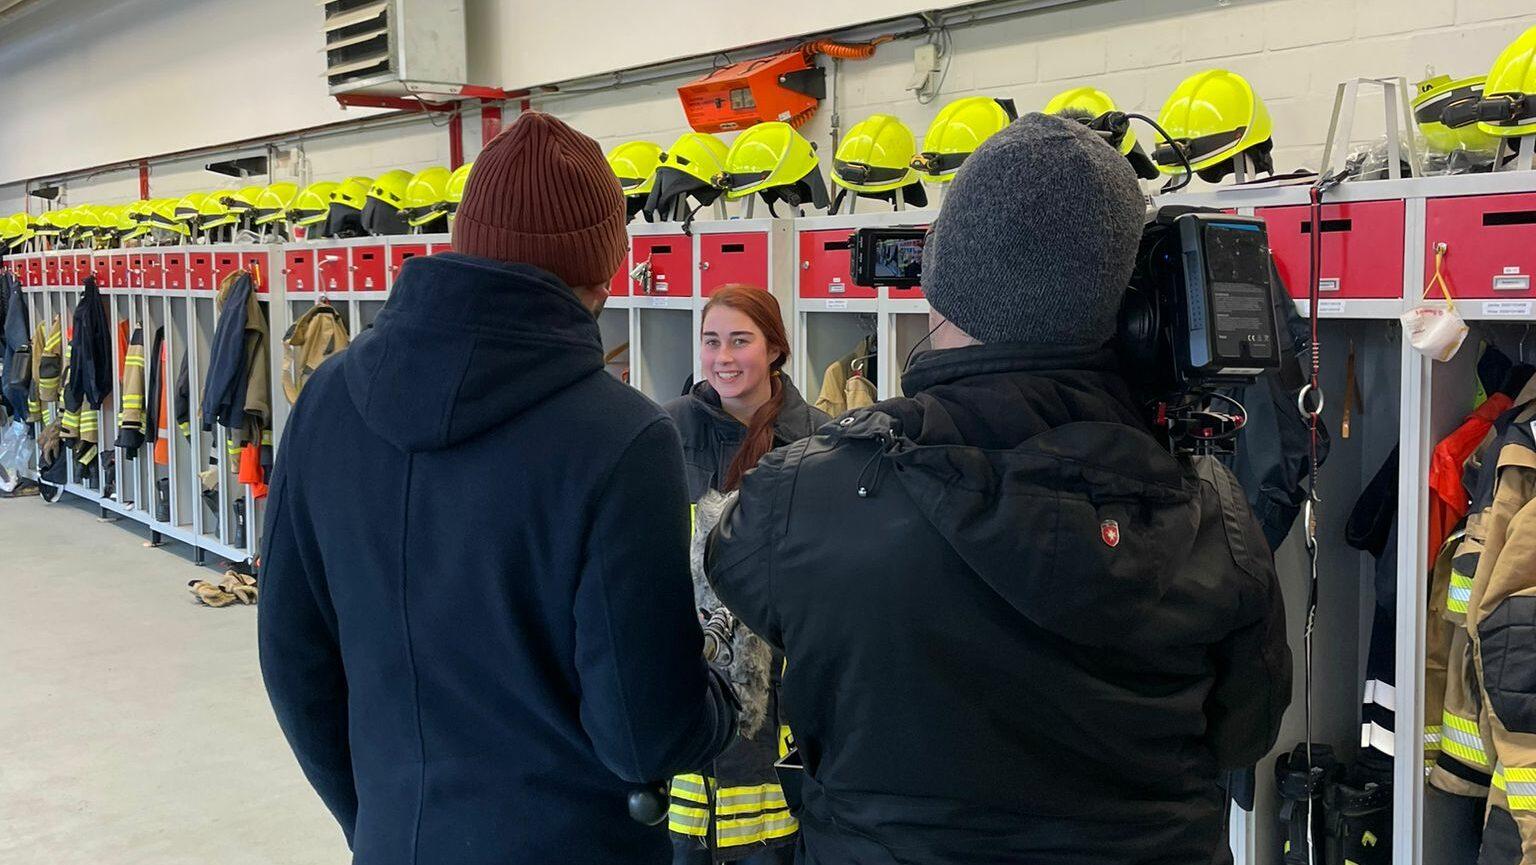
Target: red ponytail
[761,307]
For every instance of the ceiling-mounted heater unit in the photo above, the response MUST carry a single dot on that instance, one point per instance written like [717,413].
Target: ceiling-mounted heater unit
[380,52]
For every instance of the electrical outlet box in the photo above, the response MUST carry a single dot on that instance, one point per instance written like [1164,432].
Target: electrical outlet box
[925,65]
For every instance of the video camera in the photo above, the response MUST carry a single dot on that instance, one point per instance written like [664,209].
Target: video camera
[1198,315]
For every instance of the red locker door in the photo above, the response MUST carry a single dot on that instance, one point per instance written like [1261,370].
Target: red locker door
[331,269]
[200,271]
[435,248]
[35,270]
[726,259]
[671,259]
[260,265]
[154,270]
[299,269]
[101,268]
[400,253]
[176,270]
[1490,244]
[51,275]
[1362,248]
[620,284]
[825,266]
[118,270]
[67,274]
[224,263]
[136,270]
[368,268]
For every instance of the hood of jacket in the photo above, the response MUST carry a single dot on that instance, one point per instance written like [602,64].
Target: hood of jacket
[1036,467]
[796,418]
[465,344]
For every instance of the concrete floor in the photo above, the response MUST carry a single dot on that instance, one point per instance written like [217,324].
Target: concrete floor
[133,723]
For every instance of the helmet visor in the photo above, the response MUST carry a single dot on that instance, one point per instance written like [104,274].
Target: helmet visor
[1197,149]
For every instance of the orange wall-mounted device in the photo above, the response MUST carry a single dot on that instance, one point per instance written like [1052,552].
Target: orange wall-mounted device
[784,87]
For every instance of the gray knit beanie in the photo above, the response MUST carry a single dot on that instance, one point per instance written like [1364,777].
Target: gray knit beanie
[1037,236]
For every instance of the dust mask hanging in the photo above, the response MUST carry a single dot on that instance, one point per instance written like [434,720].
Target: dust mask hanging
[1434,332]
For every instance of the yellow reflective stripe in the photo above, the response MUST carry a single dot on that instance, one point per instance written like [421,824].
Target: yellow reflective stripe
[752,830]
[1460,738]
[1459,595]
[690,787]
[53,341]
[748,800]
[266,437]
[1465,725]
[186,428]
[1519,786]
[133,360]
[688,821]
[132,401]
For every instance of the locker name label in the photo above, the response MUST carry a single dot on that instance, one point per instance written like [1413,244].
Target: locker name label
[837,303]
[1507,309]
[1330,307]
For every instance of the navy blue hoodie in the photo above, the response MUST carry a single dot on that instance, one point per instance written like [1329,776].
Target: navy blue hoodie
[477,625]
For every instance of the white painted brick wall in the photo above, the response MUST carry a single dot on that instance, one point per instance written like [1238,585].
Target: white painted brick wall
[1294,51]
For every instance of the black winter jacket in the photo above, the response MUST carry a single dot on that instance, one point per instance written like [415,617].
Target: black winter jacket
[90,356]
[477,627]
[711,436]
[15,337]
[1018,629]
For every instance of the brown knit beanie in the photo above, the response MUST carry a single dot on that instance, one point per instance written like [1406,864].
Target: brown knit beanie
[542,193]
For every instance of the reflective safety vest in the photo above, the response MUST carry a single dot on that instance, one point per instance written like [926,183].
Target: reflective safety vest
[755,814]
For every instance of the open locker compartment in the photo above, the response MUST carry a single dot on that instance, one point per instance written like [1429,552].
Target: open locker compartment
[847,339]
[614,324]
[362,311]
[1347,576]
[212,505]
[1452,823]
[662,347]
[129,485]
[840,323]
[904,330]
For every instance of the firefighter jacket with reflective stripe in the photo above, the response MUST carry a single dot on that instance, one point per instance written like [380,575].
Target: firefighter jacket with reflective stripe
[130,429]
[1501,619]
[319,333]
[48,361]
[88,372]
[1464,766]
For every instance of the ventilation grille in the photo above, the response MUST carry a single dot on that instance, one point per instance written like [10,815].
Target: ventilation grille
[357,41]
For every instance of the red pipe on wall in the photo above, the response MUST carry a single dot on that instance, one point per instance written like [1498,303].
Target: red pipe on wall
[490,121]
[455,140]
[143,178]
